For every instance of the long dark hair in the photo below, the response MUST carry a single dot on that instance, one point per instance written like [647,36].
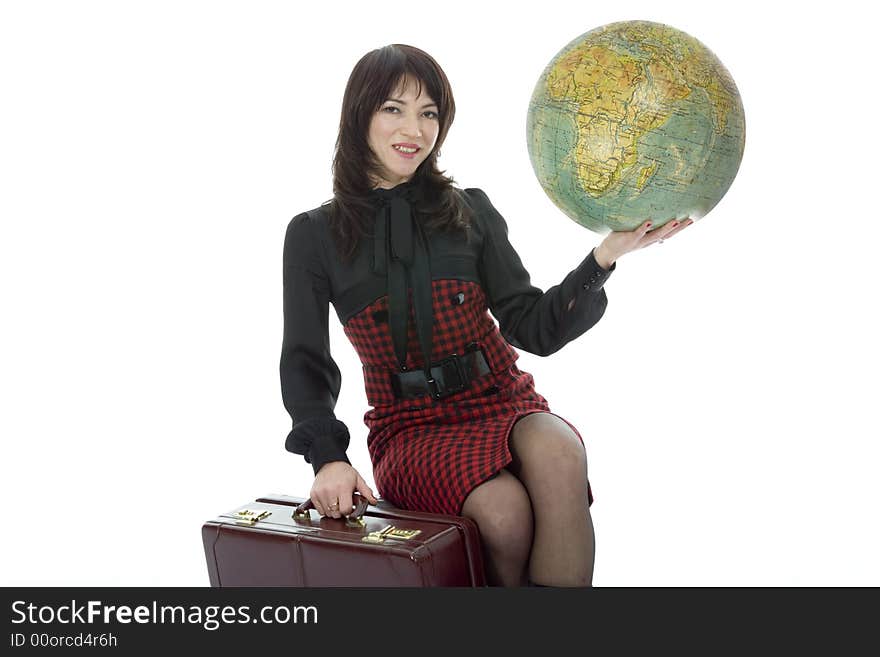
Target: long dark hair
[371,82]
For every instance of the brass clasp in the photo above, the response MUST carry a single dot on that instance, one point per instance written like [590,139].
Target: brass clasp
[251,517]
[390,532]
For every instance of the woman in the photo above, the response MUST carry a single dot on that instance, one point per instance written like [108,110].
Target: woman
[413,266]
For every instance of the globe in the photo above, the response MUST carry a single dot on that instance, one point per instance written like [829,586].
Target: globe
[634,121]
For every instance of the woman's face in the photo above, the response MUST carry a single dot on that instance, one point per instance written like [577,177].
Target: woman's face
[403,120]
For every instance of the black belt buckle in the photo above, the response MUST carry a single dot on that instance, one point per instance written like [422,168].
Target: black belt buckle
[459,371]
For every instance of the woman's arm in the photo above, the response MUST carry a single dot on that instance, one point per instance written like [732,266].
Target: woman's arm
[530,319]
[310,378]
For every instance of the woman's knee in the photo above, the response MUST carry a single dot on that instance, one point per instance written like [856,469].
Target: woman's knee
[503,512]
[544,444]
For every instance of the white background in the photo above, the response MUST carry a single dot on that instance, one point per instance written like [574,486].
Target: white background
[152,154]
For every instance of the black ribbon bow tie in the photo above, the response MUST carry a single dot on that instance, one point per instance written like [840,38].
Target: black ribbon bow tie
[400,253]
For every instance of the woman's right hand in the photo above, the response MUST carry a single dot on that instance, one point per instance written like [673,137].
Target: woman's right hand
[618,243]
[333,490]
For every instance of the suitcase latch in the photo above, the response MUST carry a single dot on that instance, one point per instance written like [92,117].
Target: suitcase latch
[250,517]
[390,532]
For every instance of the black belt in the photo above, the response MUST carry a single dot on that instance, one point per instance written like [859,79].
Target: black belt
[450,375]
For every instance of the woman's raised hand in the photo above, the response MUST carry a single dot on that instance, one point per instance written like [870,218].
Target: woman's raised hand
[333,489]
[617,243]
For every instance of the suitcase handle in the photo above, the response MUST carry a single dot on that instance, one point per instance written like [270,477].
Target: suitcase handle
[355,516]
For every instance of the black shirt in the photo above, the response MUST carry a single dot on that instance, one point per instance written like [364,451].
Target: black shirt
[529,319]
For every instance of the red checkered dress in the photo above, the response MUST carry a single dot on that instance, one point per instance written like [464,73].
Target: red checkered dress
[427,454]
[430,454]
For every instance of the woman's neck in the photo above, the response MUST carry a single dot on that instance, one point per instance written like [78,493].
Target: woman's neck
[384,184]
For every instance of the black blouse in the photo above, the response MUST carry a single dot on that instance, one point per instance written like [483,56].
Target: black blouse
[529,319]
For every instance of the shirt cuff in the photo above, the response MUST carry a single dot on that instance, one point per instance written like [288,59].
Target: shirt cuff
[320,440]
[591,274]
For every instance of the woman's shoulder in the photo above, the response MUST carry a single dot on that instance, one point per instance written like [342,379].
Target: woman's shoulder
[304,222]
[485,215]
[474,193]
[303,239]
[472,196]
[478,200]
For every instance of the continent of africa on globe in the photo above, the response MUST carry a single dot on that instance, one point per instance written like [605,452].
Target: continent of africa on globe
[634,121]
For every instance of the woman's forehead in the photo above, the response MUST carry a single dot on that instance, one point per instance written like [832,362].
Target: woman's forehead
[410,86]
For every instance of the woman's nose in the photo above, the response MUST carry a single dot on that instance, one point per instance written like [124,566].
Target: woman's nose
[412,128]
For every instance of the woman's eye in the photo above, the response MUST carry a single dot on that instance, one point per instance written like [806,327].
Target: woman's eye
[432,114]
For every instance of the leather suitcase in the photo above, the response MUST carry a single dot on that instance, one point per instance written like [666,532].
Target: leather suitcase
[282,541]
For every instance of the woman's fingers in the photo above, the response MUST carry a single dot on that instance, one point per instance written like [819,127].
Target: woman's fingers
[634,239]
[638,238]
[324,504]
[651,236]
[345,505]
[333,505]
[661,233]
[366,491]
[333,495]
[681,226]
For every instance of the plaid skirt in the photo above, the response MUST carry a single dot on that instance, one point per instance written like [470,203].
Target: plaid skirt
[427,454]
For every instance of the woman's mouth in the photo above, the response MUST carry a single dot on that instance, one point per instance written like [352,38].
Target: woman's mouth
[403,151]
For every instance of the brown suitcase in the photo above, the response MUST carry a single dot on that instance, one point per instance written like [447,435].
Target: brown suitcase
[282,541]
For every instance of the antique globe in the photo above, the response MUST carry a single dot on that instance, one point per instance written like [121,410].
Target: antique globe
[633,121]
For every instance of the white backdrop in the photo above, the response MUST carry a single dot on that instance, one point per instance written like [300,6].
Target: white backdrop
[152,154]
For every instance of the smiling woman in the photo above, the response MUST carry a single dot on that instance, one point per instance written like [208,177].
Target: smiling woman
[403,133]
[396,96]
[418,266]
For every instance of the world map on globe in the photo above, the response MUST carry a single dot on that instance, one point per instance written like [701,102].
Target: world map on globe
[633,121]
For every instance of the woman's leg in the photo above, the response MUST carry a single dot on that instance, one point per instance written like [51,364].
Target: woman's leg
[501,509]
[550,461]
